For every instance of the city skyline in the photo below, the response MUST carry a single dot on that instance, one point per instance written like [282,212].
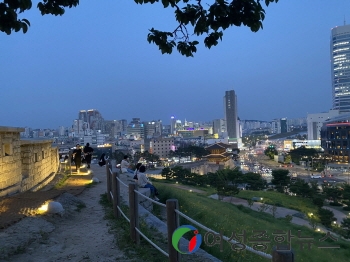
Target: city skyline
[64,64]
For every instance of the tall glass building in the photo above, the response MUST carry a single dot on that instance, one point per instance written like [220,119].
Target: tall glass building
[340,63]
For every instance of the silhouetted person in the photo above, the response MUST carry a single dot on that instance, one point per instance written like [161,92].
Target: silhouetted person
[88,154]
[77,152]
[103,160]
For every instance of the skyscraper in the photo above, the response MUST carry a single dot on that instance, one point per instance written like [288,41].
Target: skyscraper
[340,64]
[230,107]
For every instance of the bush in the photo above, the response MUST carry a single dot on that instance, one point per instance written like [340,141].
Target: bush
[347,208]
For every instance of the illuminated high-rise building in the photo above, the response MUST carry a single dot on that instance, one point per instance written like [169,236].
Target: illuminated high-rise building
[340,64]
[232,125]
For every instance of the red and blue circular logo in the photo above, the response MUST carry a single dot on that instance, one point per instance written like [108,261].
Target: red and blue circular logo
[194,243]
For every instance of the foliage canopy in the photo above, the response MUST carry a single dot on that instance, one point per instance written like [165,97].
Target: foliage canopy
[209,19]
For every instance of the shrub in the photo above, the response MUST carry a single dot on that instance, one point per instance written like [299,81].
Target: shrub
[347,208]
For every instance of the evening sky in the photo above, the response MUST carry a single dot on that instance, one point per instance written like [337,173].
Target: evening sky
[96,56]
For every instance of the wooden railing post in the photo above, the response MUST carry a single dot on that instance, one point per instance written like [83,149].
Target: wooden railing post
[173,222]
[108,181]
[134,213]
[282,255]
[117,196]
[114,193]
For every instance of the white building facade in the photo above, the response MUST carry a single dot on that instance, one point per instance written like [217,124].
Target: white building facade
[315,123]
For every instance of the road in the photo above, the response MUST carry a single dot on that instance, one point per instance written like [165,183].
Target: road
[256,163]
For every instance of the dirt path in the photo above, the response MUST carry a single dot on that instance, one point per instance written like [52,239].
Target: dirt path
[81,234]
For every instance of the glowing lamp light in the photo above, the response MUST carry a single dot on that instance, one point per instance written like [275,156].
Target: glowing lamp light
[190,190]
[318,229]
[334,222]
[43,208]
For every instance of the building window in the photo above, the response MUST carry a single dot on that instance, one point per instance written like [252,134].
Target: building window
[35,157]
[7,149]
[42,154]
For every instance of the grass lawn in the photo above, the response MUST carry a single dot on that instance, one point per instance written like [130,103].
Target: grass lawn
[227,218]
[301,204]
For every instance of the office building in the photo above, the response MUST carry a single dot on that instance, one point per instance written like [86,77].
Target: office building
[315,123]
[219,126]
[93,118]
[161,146]
[335,138]
[231,119]
[136,128]
[340,67]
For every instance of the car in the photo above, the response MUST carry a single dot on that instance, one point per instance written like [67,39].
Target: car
[315,176]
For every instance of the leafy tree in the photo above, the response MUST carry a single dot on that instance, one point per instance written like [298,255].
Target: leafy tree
[149,157]
[313,221]
[255,181]
[301,188]
[326,217]
[346,192]
[118,156]
[271,152]
[345,224]
[167,173]
[332,193]
[209,19]
[301,152]
[280,177]
[287,159]
[197,151]
[227,190]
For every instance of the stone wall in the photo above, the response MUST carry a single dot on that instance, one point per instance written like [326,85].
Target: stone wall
[10,160]
[25,164]
[39,164]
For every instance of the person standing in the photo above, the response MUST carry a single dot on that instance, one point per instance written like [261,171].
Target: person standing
[77,152]
[88,154]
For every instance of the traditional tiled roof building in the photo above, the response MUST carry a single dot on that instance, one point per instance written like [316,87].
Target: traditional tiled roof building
[218,153]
